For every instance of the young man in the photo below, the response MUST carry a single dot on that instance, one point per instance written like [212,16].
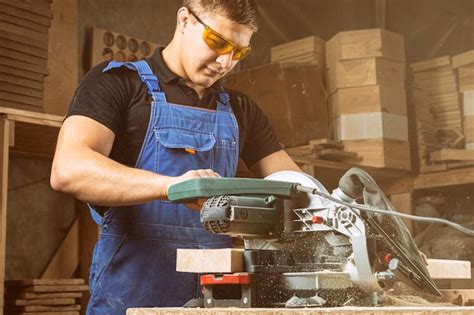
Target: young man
[135,129]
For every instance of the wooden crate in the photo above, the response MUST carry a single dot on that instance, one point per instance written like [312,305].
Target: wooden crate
[291,95]
[365,72]
[365,43]
[383,153]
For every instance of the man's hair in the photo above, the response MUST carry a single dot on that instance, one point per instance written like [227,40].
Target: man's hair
[238,11]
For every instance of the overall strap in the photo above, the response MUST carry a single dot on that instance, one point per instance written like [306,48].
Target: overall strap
[224,104]
[145,74]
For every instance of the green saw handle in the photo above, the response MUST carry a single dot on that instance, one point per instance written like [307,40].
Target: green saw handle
[195,188]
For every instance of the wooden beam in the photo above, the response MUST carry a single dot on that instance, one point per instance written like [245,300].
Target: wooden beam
[223,260]
[449,269]
[66,260]
[404,203]
[4,145]
[454,177]
[452,155]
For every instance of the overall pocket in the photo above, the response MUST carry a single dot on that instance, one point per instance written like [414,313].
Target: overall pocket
[180,150]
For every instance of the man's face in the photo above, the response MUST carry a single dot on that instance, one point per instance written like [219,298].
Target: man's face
[201,64]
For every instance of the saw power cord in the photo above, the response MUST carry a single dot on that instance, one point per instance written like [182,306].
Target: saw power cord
[388,212]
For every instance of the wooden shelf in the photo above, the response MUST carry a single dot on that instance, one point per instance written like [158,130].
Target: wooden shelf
[460,176]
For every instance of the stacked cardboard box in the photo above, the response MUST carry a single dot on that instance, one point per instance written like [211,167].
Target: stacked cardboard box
[44,295]
[306,50]
[23,52]
[291,95]
[438,81]
[465,65]
[366,80]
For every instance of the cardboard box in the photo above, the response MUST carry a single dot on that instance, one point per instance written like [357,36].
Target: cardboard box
[291,95]
[365,72]
[383,153]
[365,43]
[368,99]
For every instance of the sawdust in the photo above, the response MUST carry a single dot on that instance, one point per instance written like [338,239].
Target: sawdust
[410,300]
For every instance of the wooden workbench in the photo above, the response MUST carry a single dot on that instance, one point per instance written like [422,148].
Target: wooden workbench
[25,134]
[389,310]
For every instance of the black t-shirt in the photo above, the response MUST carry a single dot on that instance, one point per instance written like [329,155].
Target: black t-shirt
[119,100]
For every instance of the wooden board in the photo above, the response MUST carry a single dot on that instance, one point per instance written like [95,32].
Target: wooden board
[24,302]
[49,288]
[24,40]
[24,14]
[19,81]
[22,31]
[348,310]
[40,308]
[12,54]
[21,99]
[21,90]
[337,155]
[309,49]
[23,66]
[431,63]
[36,7]
[49,313]
[326,143]
[6,70]
[449,269]
[363,44]
[368,99]
[452,155]
[463,59]
[35,296]
[54,282]
[364,72]
[23,23]
[223,260]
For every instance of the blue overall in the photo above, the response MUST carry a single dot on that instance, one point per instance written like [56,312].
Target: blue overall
[134,261]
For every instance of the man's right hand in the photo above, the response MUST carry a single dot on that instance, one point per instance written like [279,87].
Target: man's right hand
[197,205]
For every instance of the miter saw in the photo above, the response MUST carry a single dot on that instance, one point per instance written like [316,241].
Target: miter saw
[303,246]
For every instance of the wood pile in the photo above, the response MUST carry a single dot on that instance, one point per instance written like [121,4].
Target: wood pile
[324,149]
[24,29]
[38,296]
[464,63]
[365,78]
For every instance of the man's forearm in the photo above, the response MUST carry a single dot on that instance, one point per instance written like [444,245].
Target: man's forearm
[97,179]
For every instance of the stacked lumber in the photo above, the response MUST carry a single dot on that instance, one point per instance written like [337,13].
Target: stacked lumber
[464,63]
[35,296]
[423,133]
[23,52]
[366,80]
[438,81]
[108,46]
[324,149]
[306,50]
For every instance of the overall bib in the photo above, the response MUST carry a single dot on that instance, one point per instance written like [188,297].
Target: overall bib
[134,261]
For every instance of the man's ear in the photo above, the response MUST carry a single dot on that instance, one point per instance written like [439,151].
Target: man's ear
[182,19]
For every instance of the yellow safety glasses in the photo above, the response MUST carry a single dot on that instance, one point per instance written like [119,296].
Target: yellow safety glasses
[219,44]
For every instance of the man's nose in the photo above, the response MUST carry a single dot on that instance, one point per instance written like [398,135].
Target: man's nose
[225,60]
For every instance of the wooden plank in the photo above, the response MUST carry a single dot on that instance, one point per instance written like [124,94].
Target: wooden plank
[457,296]
[30,282]
[224,260]
[35,296]
[30,76]
[20,302]
[326,143]
[12,97]
[23,23]
[23,40]
[49,313]
[463,59]
[444,179]
[66,259]
[19,81]
[37,7]
[20,106]
[452,155]
[21,31]
[23,65]
[4,144]
[23,48]
[337,155]
[11,10]
[39,308]
[49,288]
[63,67]
[347,310]
[449,269]
[431,63]
[15,55]
[21,90]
